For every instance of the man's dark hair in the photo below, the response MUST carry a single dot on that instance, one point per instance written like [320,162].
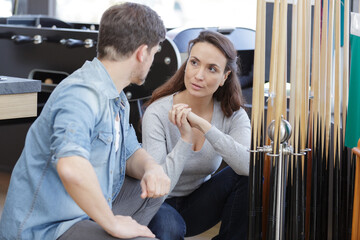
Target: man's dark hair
[125,27]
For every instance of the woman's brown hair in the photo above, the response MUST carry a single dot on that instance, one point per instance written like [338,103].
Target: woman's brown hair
[229,94]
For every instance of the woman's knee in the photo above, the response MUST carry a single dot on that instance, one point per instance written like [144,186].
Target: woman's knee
[168,224]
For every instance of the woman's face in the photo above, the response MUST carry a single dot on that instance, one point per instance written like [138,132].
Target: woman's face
[204,71]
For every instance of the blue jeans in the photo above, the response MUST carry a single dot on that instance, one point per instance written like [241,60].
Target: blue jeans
[223,198]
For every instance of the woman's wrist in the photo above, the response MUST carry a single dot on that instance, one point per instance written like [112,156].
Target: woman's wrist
[204,126]
[186,138]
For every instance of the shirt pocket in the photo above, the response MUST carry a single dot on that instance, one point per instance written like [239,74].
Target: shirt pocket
[101,148]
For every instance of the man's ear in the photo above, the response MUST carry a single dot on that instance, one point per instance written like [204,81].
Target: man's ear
[141,52]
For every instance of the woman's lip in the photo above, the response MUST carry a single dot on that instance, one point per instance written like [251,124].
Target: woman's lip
[196,86]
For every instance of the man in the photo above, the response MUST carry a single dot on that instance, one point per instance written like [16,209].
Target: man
[69,182]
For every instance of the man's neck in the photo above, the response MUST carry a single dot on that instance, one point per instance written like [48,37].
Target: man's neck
[119,71]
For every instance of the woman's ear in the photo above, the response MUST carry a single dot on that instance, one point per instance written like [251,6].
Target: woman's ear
[226,75]
[141,52]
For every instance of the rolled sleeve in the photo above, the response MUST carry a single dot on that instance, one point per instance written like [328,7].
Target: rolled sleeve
[71,149]
[73,118]
[131,142]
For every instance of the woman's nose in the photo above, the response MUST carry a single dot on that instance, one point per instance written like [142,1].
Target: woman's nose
[200,73]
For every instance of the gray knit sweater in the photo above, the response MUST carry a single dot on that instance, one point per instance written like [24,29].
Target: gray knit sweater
[228,139]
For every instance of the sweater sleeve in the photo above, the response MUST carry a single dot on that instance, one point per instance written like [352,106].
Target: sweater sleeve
[233,146]
[157,139]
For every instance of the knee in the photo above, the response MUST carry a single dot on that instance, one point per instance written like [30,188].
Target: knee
[238,183]
[242,184]
[236,179]
[168,224]
[155,202]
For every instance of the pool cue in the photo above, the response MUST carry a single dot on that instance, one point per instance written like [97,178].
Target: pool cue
[304,117]
[322,200]
[312,115]
[346,170]
[329,164]
[254,231]
[279,114]
[261,133]
[290,180]
[315,106]
[261,130]
[296,171]
[356,195]
[270,108]
[355,234]
[345,88]
[276,211]
[337,137]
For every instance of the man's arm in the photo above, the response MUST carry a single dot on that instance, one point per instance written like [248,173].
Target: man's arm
[154,181]
[80,181]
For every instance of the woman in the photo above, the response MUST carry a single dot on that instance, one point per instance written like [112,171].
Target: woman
[193,122]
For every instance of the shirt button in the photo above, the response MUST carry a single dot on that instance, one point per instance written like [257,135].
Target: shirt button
[110,172]
[109,199]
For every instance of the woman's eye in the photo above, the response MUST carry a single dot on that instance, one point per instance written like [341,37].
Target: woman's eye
[212,69]
[193,62]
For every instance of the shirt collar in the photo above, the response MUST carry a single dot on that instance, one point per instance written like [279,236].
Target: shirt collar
[108,86]
[121,100]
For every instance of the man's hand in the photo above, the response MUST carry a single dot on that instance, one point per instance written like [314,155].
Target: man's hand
[125,227]
[80,181]
[154,183]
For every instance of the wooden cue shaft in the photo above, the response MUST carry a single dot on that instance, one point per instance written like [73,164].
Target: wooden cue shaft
[321,203]
[297,228]
[345,65]
[280,76]
[329,164]
[315,79]
[304,117]
[261,135]
[280,112]
[274,228]
[329,75]
[356,205]
[323,72]
[346,166]
[270,109]
[292,107]
[254,231]
[308,177]
[336,139]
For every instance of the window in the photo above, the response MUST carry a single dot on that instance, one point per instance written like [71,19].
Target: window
[5,8]
[175,13]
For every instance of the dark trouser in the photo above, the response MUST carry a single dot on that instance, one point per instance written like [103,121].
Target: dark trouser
[127,203]
[223,198]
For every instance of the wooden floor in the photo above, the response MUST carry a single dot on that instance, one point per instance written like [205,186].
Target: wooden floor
[4,183]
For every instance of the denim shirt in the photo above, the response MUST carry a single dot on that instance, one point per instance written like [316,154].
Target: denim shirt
[77,120]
